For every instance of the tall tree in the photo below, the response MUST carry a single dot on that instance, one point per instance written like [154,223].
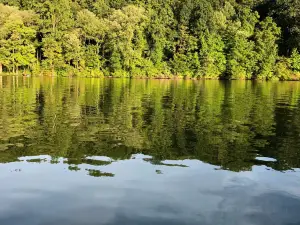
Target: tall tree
[17,35]
[266,37]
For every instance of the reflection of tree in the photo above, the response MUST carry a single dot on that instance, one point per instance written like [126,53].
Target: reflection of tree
[222,123]
[74,168]
[98,173]
[157,162]
[92,162]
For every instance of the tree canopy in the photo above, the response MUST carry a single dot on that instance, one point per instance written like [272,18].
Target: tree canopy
[233,39]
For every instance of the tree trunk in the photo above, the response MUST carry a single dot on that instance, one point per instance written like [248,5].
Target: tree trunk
[13,62]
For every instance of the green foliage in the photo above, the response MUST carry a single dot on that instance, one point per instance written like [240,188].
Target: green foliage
[72,49]
[213,61]
[282,70]
[171,38]
[241,54]
[266,47]
[91,57]
[52,50]
[17,35]
[241,58]
[295,60]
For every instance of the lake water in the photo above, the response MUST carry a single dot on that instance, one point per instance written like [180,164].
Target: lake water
[137,152]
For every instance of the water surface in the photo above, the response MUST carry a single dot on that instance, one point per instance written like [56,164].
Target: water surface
[109,151]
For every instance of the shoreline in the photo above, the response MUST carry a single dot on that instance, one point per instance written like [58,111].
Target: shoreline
[145,78]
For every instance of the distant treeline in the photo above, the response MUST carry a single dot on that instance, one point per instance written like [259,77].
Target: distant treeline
[230,39]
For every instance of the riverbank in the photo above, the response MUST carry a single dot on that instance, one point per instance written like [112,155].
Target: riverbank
[294,77]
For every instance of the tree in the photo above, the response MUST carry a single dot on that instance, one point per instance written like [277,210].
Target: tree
[286,14]
[295,60]
[213,60]
[186,58]
[17,36]
[52,50]
[241,57]
[72,49]
[56,17]
[266,38]
[158,38]
[123,25]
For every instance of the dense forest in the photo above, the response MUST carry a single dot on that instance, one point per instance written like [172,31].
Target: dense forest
[230,39]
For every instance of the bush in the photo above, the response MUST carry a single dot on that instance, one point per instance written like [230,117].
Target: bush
[295,61]
[283,70]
